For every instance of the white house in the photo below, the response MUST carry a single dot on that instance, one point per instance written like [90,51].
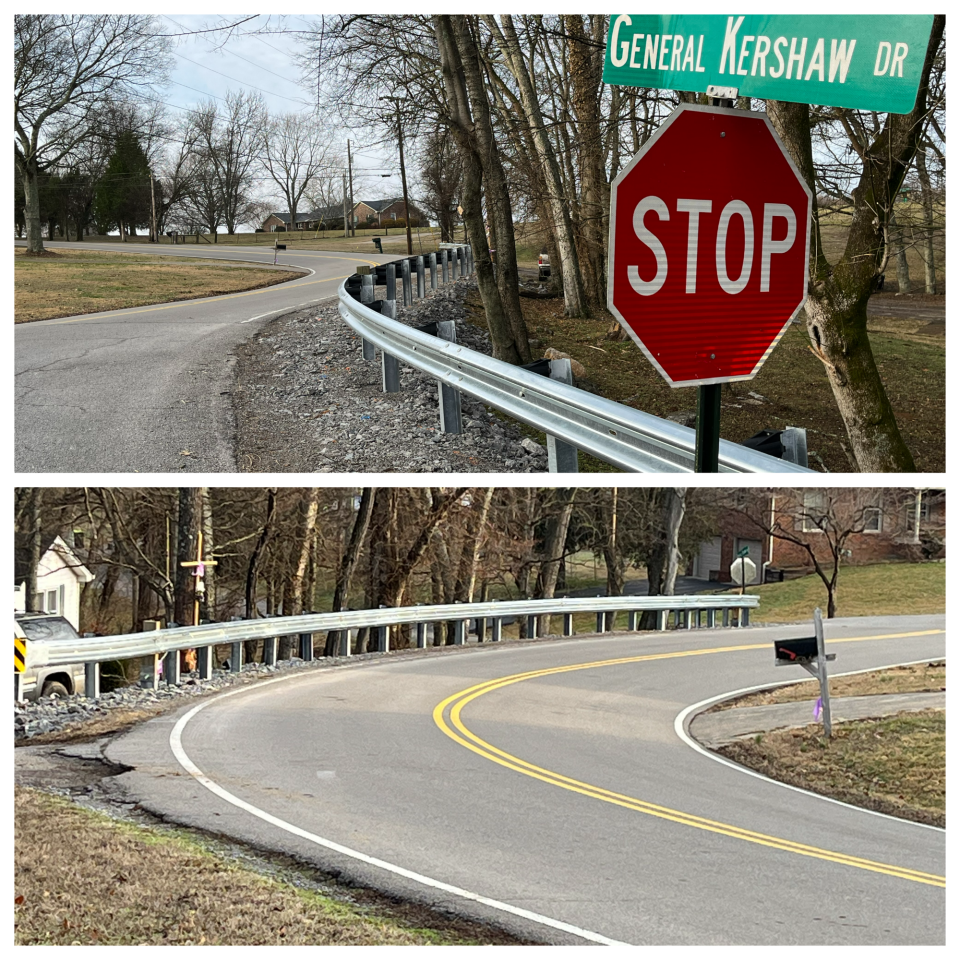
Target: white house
[60,574]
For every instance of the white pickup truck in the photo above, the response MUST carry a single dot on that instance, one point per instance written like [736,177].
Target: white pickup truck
[47,681]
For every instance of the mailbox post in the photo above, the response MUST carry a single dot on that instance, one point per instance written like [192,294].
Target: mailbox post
[808,652]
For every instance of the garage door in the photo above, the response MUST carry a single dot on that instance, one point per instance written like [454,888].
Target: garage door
[708,558]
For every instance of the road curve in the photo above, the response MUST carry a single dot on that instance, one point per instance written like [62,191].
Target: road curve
[147,389]
[544,787]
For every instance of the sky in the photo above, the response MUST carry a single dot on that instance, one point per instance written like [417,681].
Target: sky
[205,66]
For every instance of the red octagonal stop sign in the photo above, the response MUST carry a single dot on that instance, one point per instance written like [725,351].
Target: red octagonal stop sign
[709,236]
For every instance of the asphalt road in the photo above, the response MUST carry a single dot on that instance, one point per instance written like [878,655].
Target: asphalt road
[566,806]
[147,389]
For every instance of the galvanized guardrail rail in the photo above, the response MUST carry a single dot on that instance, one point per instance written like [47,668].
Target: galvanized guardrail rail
[571,418]
[688,612]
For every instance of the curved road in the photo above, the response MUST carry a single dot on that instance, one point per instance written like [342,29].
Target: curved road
[561,802]
[147,389]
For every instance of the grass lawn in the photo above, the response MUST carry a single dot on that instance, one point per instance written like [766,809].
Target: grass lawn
[896,765]
[83,878]
[76,282]
[915,678]
[883,589]
[790,390]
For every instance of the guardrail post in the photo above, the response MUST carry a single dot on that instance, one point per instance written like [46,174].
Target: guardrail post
[270,650]
[561,456]
[443,266]
[432,261]
[794,440]
[726,616]
[149,679]
[421,635]
[531,626]
[306,647]
[18,687]
[421,279]
[345,642]
[458,633]
[468,250]
[662,619]
[631,620]
[405,282]
[383,639]
[91,680]
[205,662]
[496,629]
[711,618]
[368,349]
[236,657]
[390,372]
[171,668]
[744,616]
[568,630]
[481,629]
[601,623]
[366,288]
[392,282]
[450,419]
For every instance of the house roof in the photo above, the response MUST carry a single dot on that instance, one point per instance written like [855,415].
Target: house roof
[53,543]
[379,205]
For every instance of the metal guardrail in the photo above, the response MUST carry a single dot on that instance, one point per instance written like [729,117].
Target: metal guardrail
[627,438]
[93,651]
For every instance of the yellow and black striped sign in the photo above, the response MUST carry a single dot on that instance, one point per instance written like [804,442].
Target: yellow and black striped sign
[19,654]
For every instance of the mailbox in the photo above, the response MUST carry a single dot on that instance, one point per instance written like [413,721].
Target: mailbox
[281,246]
[377,244]
[795,651]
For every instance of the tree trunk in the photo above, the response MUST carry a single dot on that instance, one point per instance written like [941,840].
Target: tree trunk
[502,336]
[253,570]
[573,293]
[189,524]
[586,68]
[36,548]
[896,232]
[926,197]
[673,518]
[31,207]
[348,564]
[498,191]
[837,303]
[554,542]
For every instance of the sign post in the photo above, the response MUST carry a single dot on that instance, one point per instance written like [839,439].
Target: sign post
[809,653]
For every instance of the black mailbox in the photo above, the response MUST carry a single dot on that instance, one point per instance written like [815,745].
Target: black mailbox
[795,651]
[281,246]
[377,244]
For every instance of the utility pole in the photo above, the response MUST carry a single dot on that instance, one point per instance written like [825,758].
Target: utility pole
[403,180]
[353,229]
[153,213]
[403,174]
[345,227]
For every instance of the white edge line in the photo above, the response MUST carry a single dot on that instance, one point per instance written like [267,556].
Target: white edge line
[678,726]
[269,313]
[176,746]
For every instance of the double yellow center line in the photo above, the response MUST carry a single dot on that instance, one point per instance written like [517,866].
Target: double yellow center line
[448,717]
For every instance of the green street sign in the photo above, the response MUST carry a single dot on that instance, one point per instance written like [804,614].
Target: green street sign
[870,62]
[743,552]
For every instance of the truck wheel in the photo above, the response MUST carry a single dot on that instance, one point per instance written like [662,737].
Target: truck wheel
[55,687]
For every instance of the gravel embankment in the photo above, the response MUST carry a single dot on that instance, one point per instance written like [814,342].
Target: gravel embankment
[307,402]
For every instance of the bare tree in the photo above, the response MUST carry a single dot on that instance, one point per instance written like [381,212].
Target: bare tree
[296,149]
[65,66]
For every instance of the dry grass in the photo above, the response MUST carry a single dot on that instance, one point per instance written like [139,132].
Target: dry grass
[915,678]
[883,589]
[82,878]
[78,282]
[896,765]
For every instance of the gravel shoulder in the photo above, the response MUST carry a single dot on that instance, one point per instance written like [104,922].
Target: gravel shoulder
[307,402]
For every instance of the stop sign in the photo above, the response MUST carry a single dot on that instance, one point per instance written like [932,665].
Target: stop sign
[709,236]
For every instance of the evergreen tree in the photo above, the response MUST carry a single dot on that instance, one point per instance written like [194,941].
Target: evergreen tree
[123,194]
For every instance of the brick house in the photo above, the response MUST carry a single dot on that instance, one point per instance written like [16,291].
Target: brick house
[879,526]
[383,212]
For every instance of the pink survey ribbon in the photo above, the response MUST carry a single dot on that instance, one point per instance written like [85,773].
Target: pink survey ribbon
[817,707]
